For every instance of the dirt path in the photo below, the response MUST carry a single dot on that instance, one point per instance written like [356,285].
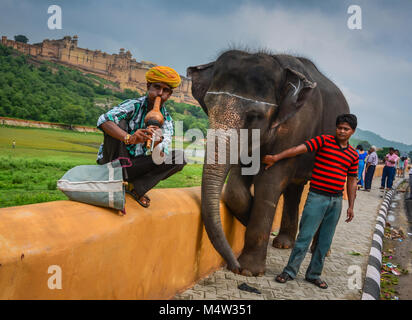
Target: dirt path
[404,250]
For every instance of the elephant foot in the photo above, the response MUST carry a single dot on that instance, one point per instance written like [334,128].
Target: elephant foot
[283,241]
[250,266]
[234,267]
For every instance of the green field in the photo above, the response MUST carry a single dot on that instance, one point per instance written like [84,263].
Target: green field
[28,173]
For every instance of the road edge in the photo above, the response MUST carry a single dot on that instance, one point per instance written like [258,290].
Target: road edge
[372,284]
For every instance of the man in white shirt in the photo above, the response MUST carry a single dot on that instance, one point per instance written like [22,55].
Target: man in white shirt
[371,163]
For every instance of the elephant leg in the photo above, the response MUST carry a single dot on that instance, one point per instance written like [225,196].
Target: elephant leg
[290,216]
[266,195]
[237,196]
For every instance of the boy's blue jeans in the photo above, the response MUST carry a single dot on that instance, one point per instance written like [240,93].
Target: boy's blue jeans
[321,212]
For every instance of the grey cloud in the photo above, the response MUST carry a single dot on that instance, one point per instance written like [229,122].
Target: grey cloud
[372,66]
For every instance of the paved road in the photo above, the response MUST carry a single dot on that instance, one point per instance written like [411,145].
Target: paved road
[354,236]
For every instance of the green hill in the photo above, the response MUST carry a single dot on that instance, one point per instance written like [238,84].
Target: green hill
[378,141]
[45,91]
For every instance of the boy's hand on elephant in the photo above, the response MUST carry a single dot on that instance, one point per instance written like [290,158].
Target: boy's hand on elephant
[269,160]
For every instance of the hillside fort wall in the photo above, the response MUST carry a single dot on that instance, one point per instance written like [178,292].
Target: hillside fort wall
[120,68]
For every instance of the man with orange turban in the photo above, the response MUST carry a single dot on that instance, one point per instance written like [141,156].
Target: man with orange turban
[164,75]
[125,135]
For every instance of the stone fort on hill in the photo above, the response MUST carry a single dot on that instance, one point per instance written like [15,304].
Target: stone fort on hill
[119,68]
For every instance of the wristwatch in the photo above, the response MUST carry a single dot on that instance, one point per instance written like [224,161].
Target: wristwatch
[126,139]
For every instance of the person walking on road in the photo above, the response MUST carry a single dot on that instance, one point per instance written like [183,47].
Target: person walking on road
[389,170]
[371,164]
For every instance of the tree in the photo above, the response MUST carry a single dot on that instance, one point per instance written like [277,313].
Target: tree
[72,114]
[382,153]
[21,38]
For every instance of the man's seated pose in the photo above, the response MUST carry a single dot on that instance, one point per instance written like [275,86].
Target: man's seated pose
[125,135]
[335,160]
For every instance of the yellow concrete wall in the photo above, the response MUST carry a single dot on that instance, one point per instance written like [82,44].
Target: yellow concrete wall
[147,254]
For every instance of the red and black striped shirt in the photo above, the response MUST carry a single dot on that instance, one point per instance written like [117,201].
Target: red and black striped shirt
[332,165]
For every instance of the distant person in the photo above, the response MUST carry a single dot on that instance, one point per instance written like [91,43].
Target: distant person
[405,166]
[397,162]
[389,170]
[401,169]
[371,164]
[14,144]
[362,156]
[125,135]
[410,183]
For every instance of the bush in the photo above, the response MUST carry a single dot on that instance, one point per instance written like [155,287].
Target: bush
[51,185]
[17,180]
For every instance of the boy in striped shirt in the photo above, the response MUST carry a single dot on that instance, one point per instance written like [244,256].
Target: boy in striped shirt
[334,161]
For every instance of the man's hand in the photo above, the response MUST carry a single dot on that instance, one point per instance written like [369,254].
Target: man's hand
[140,136]
[350,215]
[157,134]
[269,160]
[351,187]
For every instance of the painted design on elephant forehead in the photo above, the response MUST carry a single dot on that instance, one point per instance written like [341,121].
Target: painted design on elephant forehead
[240,97]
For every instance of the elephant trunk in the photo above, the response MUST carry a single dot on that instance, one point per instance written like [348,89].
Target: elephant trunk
[213,179]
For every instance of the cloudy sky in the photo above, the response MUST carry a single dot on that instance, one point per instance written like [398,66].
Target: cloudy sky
[372,66]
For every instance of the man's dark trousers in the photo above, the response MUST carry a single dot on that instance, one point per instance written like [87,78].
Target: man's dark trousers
[369,176]
[388,175]
[144,173]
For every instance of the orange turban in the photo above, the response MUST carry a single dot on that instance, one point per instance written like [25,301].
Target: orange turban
[163,74]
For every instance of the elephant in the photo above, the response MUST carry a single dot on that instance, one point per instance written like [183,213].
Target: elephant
[290,101]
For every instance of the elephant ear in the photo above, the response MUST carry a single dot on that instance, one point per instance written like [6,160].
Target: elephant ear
[295,92]
[201,77]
